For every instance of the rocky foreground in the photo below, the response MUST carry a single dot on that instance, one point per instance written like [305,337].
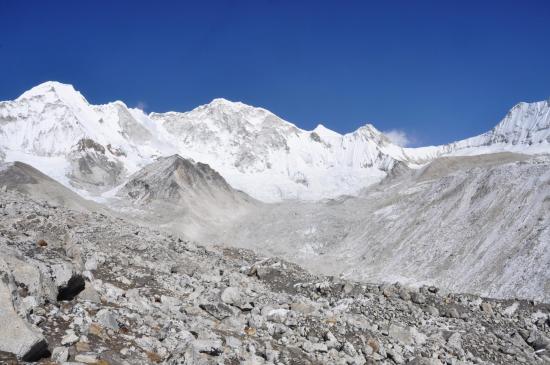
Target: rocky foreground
[89,288]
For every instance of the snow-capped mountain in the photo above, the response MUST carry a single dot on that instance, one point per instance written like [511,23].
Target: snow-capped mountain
[526,128]
[95,148]
[90,147]
[272,159]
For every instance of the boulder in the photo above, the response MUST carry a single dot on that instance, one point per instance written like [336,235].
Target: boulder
[16,335]
[487,308]
[418,298]
[217,310]
[406,335]
[212,347]
[60,354]
[107,319]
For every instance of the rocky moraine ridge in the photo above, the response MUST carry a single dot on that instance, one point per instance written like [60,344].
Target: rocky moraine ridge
[88,288]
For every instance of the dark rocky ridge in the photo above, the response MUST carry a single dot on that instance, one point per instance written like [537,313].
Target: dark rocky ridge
[173,179]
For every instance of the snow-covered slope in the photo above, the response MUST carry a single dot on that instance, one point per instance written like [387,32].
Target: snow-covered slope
[271,159]
[524,129]
[55,129]
[94,148]
[471,224]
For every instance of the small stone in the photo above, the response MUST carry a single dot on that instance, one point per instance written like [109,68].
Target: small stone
[432,310]
[401,334]
[96,330]
[395,356]
[404,294]
[250,331]
[86,358]
[418,298]
[82,346]
[433,289]
[302,308]
[210,347]
[373,344]
[319,347]
[487,308]
[107,319]
[455,341]
[387,291]
[277,315]
[153,357]
[218,310]
[452,313]
[348,288]
[424,361]
[509,311]
[70,338]
[89,294]
[231,295]
[233,342]
[60,354]
[349,349]
[508,350]
[307,346]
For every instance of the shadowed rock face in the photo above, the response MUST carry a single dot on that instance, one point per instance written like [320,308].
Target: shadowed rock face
[16,335]
[94,167]
[73,287]
[175,179]
[14,176]
[39,351]
[177,193]
[89,144]
[30,181]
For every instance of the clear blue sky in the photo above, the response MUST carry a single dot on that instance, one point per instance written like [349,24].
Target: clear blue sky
[438,70]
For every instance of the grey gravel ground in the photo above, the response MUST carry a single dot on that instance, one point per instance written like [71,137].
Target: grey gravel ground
[88,288]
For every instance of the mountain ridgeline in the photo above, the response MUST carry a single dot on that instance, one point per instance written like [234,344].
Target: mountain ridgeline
[470,216]
[95,148]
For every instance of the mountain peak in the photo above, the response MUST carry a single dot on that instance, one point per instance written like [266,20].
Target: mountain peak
[324,132]
[52,91]
[369,130]
[173,178]
[176,161]
[224,103]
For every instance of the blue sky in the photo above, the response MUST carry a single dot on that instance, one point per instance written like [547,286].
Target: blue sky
[436,70]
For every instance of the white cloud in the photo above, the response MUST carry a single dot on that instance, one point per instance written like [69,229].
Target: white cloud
[141,105]
[398,137]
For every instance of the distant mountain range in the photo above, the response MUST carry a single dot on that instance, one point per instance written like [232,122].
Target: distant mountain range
[468,216]
[94,149]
